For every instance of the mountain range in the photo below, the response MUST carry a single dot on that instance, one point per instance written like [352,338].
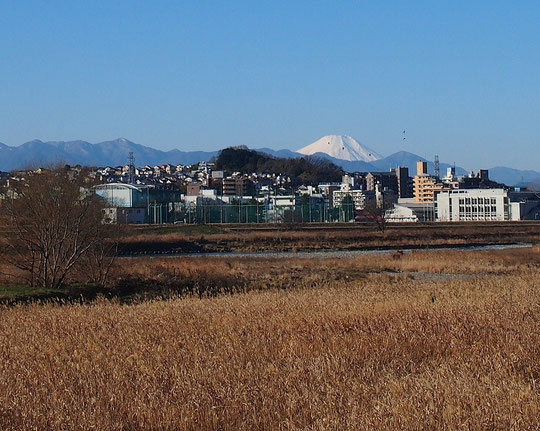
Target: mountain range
[108,153]
[114,153]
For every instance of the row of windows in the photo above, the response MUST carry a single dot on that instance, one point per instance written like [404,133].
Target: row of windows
[130,211]
[485,209]
[476,201]
[477,217]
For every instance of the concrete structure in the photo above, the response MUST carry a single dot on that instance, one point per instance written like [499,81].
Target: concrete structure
[404,182]
[425,186]
[406,209]
[387,180]
[358,197]
[524,205]
[124,195]
[283,201]
[124,215]
[472,204]
[401,214]
[238,186]
[193,189]
[146,203]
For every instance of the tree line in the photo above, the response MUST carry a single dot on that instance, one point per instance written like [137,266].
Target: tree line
[307,170]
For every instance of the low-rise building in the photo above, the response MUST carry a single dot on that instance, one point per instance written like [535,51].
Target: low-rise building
[524,205]
[124,215]
[238,186]
[408,210]
[472,205]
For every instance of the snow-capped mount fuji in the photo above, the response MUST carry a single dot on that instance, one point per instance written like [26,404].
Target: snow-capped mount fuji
[341,147]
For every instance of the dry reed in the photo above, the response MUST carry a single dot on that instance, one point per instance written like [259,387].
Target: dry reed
[452,342]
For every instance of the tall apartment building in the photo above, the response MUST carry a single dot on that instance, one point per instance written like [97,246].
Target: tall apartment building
[404,183]
[424,185]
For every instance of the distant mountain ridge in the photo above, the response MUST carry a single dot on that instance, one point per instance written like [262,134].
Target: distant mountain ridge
[115,152]
[108,153]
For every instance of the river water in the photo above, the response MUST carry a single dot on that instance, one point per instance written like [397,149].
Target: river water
[329,254]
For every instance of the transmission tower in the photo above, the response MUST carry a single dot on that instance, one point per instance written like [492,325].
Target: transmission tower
[437,167]
[131,167]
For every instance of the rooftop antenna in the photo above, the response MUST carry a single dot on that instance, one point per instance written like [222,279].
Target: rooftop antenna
[131,167]
[437,167]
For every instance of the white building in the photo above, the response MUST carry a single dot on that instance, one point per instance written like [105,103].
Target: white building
[401,214]
[358,197]
[407,210]
[123,195]
[282,201]
[472,204]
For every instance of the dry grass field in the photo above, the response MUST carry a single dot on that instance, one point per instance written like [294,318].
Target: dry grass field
[426,340]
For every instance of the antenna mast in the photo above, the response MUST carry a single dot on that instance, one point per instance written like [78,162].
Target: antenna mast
[437,167]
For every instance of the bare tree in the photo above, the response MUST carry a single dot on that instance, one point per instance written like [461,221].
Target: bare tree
[378,210]
[96,263]
[52,223]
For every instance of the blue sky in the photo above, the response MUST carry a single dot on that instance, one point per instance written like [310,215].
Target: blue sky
[461,77]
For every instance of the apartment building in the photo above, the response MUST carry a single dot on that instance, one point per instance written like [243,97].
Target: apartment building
[387,180]
[404,183]
[357,196]
[238,186]
[424,185]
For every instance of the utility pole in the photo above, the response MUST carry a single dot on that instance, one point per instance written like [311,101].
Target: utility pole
[131,167]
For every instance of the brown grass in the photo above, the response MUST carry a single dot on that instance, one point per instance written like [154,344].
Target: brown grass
[312,237]
[423,341]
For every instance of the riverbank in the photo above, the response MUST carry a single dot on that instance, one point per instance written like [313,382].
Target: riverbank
[256,238]
[141,278]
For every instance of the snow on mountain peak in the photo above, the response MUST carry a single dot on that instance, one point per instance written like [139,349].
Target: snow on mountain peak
[341,147]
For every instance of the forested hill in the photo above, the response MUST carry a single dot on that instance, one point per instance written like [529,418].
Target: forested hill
[309,170]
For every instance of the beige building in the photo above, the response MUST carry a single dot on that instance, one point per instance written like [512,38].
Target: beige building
[424,185]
